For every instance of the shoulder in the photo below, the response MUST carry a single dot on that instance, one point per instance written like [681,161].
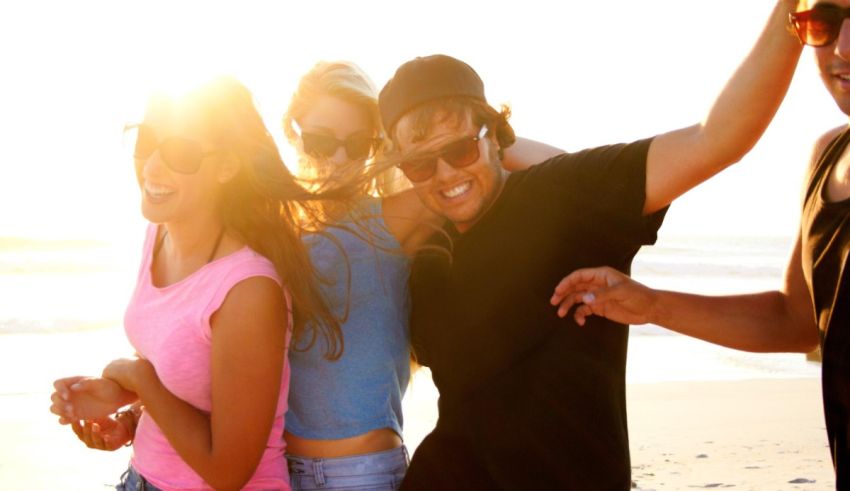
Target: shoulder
[253,297]
[252,311]
[242,265]
[254,291]
[823,142]
[589,167]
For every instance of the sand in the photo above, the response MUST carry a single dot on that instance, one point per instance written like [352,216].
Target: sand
[764,434]
[752,434]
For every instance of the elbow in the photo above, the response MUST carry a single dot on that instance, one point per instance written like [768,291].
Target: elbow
[719,150]
[807,341]
[725,160]
[228,482]
[226,477]
[800,337]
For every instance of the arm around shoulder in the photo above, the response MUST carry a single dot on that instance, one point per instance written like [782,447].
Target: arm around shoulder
[409,221]
[524,153]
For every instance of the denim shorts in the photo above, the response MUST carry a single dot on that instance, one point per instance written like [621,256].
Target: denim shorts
[379,471]
[133,481]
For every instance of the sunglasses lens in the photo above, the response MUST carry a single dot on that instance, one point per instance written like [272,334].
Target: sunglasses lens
[180,155]
[359,148]
[319,146]
[819,26]
[419,170]
[461,153]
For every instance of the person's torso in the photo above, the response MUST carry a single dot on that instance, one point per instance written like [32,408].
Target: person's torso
[526,385]
[170,327]
[366,278]
[825,235]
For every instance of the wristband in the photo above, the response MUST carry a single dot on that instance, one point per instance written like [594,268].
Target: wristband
[132,414]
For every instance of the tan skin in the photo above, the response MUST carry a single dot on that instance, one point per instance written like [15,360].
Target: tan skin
[833,63]
[247,357]
[780,320]
[407,220]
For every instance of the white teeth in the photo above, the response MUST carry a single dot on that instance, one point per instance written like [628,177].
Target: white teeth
[844,76]
[156,190]
[457,190]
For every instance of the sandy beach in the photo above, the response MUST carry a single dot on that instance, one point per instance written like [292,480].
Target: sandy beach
[761,434]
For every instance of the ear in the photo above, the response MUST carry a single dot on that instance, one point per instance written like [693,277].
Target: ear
[227,169]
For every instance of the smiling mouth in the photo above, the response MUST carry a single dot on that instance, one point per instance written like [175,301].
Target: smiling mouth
[456,191]
[156,193]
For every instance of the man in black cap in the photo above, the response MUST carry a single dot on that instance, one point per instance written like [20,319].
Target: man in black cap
[527,400]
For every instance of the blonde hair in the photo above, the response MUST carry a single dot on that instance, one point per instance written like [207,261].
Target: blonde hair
[348,82]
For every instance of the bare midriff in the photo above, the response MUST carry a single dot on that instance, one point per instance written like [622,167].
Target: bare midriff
[370,442]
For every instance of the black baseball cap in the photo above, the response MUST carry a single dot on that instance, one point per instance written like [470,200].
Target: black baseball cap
[424,79]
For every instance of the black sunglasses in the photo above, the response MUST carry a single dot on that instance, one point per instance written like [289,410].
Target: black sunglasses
[459,153]
[181,155]
[819,26]
[320,146]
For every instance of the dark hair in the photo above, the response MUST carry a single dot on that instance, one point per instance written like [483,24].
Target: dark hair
[263,205]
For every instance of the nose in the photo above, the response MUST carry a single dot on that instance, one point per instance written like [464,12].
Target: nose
[340,156]
[842,44]
[151,167]
[444,171]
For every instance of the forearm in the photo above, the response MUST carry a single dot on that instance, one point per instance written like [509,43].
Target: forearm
[524,153]
[189,431]
[751,97]
[759,322]
[681,159]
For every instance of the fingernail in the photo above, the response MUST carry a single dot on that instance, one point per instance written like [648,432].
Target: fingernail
[76,386]
[64,395]
[588,298]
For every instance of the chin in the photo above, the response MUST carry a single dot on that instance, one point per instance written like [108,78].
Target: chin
[154,215]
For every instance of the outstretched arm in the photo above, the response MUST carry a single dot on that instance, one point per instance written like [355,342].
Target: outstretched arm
[764,322]
[681,159]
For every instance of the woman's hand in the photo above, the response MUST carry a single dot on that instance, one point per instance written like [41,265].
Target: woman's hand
[103,433]
[130,373]
[605,292]
[76,398]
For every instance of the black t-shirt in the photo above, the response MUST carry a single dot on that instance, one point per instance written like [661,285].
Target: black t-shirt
[529,400]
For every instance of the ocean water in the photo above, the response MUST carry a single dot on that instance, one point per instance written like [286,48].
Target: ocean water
[64,286]
[52,288]
[709,266]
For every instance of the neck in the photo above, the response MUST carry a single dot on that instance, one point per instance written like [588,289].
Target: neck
[192,239]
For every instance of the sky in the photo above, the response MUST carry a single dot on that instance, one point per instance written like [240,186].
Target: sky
[576,74]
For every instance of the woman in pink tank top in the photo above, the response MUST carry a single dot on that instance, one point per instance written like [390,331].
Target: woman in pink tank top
[210,317]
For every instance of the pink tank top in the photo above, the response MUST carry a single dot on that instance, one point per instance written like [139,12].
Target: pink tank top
[170,327]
